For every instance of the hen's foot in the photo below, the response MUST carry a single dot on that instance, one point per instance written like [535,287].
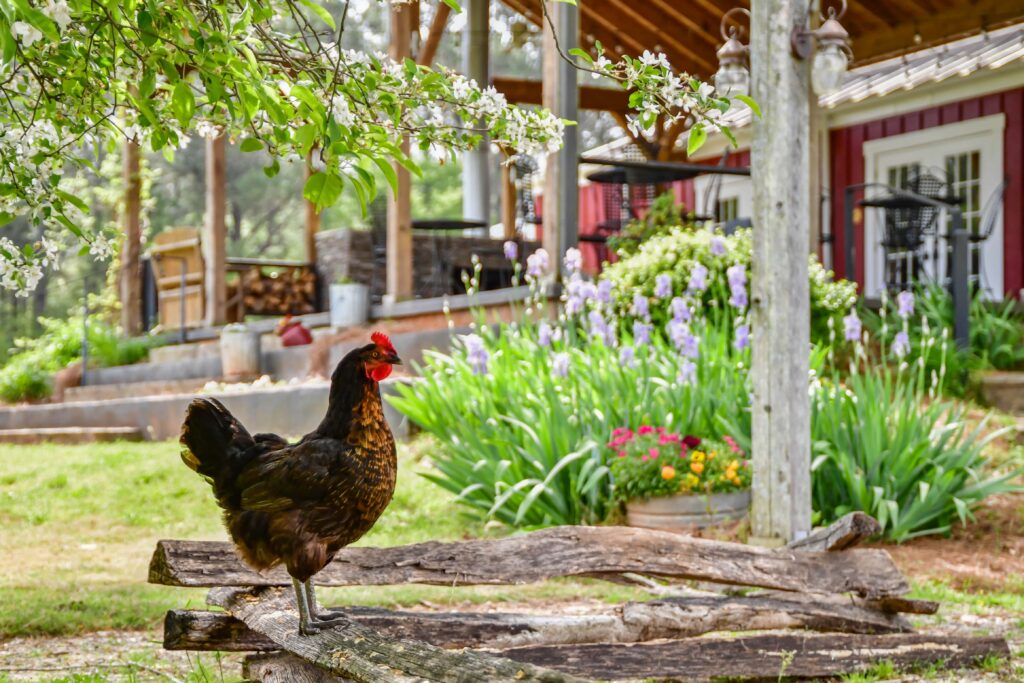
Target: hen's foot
[319,625]
[329,614]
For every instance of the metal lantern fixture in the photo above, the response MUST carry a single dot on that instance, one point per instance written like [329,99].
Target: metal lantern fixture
[833,54]
[733,76]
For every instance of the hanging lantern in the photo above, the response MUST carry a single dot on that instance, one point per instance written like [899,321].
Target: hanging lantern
[832,53]
[733,75]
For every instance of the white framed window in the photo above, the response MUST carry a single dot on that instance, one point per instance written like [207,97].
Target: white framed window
[969,156]
[735,196]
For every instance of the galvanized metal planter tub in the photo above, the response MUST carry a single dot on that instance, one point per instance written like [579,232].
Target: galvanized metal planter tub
[680,512]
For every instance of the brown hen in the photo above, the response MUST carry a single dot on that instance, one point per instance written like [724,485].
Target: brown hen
[298,504]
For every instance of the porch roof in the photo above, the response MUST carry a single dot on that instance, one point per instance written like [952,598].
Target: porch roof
[688,32]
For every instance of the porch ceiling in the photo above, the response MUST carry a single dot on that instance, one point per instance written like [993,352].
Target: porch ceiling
[687,31]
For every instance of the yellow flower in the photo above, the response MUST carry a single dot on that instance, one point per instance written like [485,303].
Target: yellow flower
[697,467]
[698,456]
[692,480]
[712,454]
[668,472]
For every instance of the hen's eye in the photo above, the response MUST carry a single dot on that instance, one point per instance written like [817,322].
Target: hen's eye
[376,354]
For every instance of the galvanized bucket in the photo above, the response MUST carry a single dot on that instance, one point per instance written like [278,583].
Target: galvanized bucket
[681,512]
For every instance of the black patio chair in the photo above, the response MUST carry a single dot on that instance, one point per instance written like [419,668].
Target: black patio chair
[990,214]
[905,230]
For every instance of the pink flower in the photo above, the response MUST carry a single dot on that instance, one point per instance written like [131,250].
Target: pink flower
[622,454]
[645,429]
[660,430]
[653,453]
[619,431]
[667,439]
[643,458]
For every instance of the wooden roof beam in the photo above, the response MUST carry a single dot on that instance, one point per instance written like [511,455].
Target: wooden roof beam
[430,45]
[962,19]
[522,91]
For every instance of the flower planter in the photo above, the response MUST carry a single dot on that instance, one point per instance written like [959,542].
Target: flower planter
[682,512]
[350,304]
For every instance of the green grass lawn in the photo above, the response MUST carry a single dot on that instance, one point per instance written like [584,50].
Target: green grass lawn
[80,524]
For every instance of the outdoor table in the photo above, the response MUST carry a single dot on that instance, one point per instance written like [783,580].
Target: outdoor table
[440,230]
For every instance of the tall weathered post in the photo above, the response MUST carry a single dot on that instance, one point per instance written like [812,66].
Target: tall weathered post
[476,163]
[561,96]
[399,229]
[131,270]
[780,304]
[215,230]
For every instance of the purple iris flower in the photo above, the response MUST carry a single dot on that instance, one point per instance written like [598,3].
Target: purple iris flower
[544,334]
[698,278]
[901,344]
[627,357]
[680,310]
[537,263]
[742,339]
[737,276]
[640,307]
[511,250]
[604,291]
[641,333]
[687,372]
[852,327]
[905,304]
[718,246]
[560,365]
[663,286]
[573,260]
[683,338]
[476,354]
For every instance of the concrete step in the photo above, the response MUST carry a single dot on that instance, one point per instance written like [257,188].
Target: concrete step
[104,392]
[70,435]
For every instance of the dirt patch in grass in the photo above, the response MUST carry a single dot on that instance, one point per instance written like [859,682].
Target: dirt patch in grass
[987,554]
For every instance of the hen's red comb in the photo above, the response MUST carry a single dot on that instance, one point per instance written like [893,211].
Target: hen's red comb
[381,340]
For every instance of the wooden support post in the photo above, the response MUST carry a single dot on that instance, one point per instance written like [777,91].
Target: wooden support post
[561,194]
[780,305]
[215,231]
[131,270]
[312,217]
[476,163]
[508,202]
[399,233]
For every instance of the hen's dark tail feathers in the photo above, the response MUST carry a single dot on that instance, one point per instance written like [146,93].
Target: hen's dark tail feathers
[217,446]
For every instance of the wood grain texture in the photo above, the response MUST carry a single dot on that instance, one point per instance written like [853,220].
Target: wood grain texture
[367,656]
[845,532]
[560,551]
[281,667]
[627,623]
[760,656]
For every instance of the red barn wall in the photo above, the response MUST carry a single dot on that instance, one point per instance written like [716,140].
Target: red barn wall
[847,151]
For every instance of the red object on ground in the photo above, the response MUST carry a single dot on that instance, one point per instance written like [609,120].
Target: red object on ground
[294,333]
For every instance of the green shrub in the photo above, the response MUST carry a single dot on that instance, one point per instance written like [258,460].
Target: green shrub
[677,252]
[27,374]
[664,215]
[913,465]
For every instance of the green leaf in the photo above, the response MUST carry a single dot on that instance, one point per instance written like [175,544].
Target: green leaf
[6,218]
[389,172]
[696,139]
[750,103]
[582,54]
[273,169]
[322,189]
[321,12]
[251,145]
[453,4]
[183,102]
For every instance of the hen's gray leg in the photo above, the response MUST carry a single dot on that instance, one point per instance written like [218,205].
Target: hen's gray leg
[315,611]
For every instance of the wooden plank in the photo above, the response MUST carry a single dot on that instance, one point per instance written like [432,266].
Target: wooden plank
[131,265]
[366,656]
[525,91]
[215,230]
[628,623]
[762,656]
[845,532]
[279,667]
[428,50]
[559,551]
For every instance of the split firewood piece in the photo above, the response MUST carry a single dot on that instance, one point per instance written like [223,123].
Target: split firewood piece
[368,656]
[844,533]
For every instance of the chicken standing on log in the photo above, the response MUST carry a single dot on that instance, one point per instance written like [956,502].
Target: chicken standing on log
[299,504]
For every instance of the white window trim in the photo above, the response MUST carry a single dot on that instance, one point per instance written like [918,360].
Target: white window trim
[989,130]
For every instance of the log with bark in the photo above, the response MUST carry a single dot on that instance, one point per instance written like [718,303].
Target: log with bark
[367,656]
[846,532]
[627,623]
[561,551]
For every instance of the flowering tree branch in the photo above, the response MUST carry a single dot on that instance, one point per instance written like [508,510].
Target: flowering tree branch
[270,74]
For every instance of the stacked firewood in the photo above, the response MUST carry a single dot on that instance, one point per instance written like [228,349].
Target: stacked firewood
[279,292]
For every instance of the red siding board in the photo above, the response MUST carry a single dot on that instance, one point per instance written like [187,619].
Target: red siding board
[847,149]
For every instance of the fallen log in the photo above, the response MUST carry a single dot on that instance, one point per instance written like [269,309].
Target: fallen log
[763,656]
[560,551]
[366,656]
[844,533]
[280,667]
[627,623]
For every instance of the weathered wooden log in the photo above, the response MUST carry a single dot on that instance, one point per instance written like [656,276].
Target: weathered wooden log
[844,533]
[560,551]
[367,656]
[280,667]
[768,656]
[627,623]
[904,605]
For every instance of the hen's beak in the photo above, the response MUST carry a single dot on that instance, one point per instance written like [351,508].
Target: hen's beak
[393,359]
